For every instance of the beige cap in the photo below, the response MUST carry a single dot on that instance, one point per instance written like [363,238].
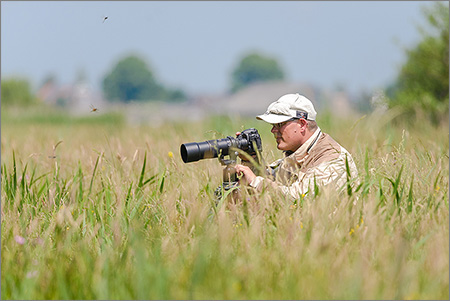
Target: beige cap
[289,106]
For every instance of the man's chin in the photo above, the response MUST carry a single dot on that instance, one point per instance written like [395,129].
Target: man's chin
[280,147]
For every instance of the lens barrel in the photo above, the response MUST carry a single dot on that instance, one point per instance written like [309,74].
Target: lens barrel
[191,152]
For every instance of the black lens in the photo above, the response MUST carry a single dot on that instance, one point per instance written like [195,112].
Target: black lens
[191,152]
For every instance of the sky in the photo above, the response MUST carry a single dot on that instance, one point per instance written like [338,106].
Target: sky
[195,45]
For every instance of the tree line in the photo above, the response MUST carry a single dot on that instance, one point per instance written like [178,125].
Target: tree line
[132,79]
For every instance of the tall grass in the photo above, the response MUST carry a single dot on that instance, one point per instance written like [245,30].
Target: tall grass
[112,212]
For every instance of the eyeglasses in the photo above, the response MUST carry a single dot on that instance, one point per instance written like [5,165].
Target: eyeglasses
[281,124]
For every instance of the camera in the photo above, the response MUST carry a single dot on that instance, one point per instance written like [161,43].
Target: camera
[248,141]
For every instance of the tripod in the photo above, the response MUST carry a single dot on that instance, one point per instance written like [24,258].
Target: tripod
[229,178]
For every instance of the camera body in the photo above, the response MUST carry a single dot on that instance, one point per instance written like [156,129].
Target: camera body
[248,141]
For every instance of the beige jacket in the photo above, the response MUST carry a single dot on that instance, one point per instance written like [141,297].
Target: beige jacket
[321,159]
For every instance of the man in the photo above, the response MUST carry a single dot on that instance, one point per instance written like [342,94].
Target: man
[311,156]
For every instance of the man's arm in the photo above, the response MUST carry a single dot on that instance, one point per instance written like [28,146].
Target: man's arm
[332,172]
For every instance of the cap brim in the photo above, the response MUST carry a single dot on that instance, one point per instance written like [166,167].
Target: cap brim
[273,118]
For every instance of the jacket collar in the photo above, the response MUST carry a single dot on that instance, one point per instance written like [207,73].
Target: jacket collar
[304,149]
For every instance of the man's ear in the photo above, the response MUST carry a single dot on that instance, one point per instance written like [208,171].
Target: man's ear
[303,122]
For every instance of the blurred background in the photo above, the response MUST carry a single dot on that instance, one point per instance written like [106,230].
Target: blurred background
[163,60]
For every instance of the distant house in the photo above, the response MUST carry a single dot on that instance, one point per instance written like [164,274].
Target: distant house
[49,92]
[254,99]
[78,98]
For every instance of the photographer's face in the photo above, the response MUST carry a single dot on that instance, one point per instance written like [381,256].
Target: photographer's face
[290,135]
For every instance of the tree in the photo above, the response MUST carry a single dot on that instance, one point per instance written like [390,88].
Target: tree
[422,86]
[17,92]
[131,79]
[255,68]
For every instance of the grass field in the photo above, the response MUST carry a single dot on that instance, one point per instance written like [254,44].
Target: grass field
[93,208]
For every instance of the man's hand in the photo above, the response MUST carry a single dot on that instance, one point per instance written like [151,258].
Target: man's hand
[246,174]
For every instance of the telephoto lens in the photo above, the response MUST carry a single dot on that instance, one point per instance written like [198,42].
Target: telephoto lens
[248,141]
[191,152]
